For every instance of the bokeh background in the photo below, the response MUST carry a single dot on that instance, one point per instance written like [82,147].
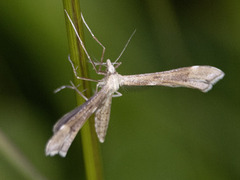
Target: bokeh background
[155,132]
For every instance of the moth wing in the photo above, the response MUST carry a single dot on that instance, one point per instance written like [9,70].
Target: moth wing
[197,77]
[68,126]
[65,130]
[102,117]
[61,141]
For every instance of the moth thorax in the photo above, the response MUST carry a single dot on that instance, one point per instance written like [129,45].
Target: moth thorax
[110,68]
[113,83]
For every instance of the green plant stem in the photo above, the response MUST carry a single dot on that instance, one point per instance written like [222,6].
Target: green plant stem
[13,155]
[90,144]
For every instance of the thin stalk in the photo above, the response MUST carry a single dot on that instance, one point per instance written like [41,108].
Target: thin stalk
[17,159]
[90,144]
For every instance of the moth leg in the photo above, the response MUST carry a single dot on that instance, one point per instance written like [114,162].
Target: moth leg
[97,63]
[94,37]
[97,87]
[117,64]
[75,72]
[82,44]
[71,87]
[117,94]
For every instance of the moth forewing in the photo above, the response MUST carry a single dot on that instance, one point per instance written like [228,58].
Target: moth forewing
[68,126]
[60,141]
[197,77]
[102,117]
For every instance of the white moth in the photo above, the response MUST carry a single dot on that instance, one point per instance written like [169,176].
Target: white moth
[65,130]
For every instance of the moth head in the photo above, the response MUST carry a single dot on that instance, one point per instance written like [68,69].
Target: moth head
[110,68]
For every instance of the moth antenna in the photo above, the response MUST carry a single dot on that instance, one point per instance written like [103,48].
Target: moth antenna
[125,46]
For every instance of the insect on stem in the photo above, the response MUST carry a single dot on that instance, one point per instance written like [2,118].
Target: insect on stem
[65,130]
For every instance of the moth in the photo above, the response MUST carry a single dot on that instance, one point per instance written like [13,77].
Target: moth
[65,130]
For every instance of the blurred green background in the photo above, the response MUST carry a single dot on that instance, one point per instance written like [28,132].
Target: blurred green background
[155,132]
